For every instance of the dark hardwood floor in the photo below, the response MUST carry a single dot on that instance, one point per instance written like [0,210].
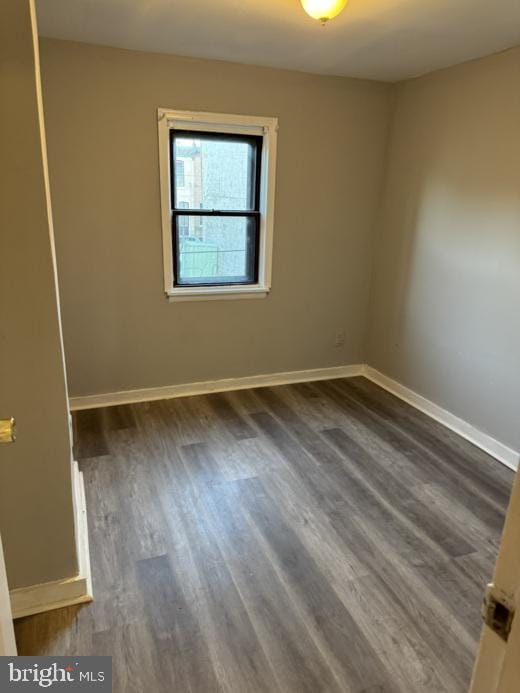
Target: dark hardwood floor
[315,537]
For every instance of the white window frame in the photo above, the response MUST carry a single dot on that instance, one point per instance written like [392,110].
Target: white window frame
[267,128]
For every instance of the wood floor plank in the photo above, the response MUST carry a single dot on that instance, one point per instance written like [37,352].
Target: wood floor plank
[389,487]
[314,537]
[399,409]
[114,585]
[335,486]
[345,641]
[118,417]
[238,656]
[230,417]
[394,636]
[482,476]
[306,467]
[444,500]
[428,464]
[173,624]
[89,435]
[133,651]
[410,595]
[304,512]
[307,438]
[296,660]
[449,582]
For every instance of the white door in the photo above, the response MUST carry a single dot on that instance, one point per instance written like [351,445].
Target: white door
[7,642]
[497,669]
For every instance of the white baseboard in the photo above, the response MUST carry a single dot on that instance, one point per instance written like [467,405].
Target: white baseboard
[482,440]
[203,388]
[35,599]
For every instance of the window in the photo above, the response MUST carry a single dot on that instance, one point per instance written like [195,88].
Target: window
[217,190]
[223,209]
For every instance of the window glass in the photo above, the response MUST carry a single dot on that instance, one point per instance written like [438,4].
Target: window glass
[218,172]
[179,173]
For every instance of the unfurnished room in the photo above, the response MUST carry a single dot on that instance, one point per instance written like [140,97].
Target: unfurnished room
[260,346]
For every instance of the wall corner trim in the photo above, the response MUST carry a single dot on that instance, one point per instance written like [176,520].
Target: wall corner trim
[111,399]
[510,458]
[26,601]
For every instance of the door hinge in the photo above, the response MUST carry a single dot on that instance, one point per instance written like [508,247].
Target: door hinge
[498,611]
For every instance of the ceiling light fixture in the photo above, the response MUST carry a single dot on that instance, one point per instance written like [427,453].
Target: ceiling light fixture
[323,10]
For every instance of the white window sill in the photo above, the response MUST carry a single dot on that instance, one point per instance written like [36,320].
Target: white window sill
[213,293]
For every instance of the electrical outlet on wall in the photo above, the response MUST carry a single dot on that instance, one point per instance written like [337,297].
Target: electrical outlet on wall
[339,339]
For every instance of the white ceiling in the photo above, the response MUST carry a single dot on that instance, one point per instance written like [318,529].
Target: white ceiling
[379,39]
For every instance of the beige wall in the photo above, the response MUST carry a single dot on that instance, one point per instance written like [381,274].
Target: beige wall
[36,514]
[445,313]
[120,332]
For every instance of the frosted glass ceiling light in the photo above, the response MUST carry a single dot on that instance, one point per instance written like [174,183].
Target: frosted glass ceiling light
[323,10]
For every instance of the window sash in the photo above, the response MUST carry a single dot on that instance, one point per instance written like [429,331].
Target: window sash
[253,249]
[254,140]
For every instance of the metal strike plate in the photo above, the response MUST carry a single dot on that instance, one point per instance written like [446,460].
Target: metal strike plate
[7,430]
[498,611]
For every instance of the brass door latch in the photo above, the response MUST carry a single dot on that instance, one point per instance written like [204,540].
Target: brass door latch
[498,611]
[7,430]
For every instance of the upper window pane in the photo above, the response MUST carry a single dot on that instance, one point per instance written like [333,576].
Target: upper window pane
[218,172]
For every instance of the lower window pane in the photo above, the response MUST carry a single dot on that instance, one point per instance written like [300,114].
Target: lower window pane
[215,250]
